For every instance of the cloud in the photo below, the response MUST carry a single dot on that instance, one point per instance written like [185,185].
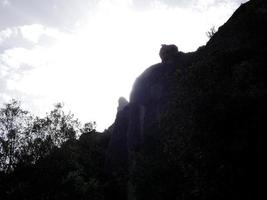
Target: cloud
[150,3]
[27,36]
[13,65]
[54,13]
[16,65]
[5,34]
[22,50]
[65,15]
[12,37]
[5,3]
[199,4]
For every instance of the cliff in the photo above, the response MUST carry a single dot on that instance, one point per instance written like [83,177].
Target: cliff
[195,126]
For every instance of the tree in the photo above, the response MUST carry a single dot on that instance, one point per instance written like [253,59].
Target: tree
[58,126]
[15,131]
[211,32]
[25,139]
[52,131]
[88,127]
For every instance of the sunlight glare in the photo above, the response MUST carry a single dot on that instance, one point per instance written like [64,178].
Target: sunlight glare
[91,67]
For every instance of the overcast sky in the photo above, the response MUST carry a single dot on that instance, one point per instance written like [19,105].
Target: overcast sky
[87,53]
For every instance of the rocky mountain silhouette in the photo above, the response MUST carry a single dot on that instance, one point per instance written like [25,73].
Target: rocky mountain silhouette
[195,126]
[193,129]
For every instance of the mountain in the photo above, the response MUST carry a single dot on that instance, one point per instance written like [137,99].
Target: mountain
[194,129]
[195,124]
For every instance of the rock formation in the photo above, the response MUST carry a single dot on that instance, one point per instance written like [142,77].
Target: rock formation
[121,104]
[168,53]
[195,127]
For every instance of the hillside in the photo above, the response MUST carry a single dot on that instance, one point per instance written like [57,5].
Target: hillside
[194,127]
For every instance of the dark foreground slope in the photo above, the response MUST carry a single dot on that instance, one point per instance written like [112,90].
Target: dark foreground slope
[195,128]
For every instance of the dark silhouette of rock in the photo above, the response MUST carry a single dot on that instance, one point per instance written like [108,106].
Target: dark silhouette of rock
[168,53]
[121,104]
[195,124]
[117,154]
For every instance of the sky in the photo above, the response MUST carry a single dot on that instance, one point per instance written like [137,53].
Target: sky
[88,53]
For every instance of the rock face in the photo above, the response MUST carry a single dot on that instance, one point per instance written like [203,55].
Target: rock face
[168,53]
[195,127]
[122,104]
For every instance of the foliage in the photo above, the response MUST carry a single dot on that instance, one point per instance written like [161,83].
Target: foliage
[211,32]
[24,139]
[44,157]
[15,134]
[57,126]
[73,171]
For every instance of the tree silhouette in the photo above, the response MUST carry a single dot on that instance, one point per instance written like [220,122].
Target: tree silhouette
[25,139]
[14,134]
[211,32]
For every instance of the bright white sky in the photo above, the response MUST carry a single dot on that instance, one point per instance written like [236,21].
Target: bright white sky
[92,62]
